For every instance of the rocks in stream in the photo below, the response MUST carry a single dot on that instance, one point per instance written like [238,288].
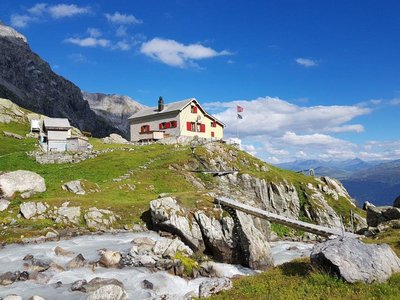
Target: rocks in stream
[25,182]
[101,289]
[109,259]
[62,252]
[77,262]
[355,261]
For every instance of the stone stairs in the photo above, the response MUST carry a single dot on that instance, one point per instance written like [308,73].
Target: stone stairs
[275,218]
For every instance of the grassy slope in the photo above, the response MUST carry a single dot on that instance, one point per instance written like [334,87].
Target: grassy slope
[297,280]
[294,280]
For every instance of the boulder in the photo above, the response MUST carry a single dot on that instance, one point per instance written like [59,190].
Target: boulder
[380,214]
[99,219]
[40,265]
[4,204]
[74,186]
[68,214]
[36,298]
[62,252]
[108,292]
[20,181]
[355,261]
[168,215]
[12,297]
[142,246]
[77,262]
[8,278]
[32,209]
[396,202]
[214,286]
[109,258]
[114,139]
[147,285]
[168,248]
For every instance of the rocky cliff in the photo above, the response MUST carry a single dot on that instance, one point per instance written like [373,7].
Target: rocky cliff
[116,109]
[28,81]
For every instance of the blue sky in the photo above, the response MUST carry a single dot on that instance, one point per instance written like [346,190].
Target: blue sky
[317,79]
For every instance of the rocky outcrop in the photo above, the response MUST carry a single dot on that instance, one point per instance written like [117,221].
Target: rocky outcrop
[28,81]
[381,214]
[68,214]
[25,182]
[396,202]
[74,186]
[100,219]
[114,139]
[231,239]
[33,209]
[355,261]
[116,109]
[168,215]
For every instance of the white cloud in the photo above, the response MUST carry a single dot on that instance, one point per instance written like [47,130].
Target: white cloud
[274,116]
[21,21]
[88,42]
[94,32]
[121,31]
[67,10]
[306,62]
[347,128]
[395,101]
[176,54]
[118,18]
[38,9]
[292,138]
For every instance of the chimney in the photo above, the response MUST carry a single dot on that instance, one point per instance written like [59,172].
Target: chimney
[160,104]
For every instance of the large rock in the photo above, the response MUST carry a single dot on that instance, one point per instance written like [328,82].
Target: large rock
[74,186]
[100,219]
[169,248]
[396,202]
[168,215]
[355,261]
[4,204]
[114,139]
[214,286]
[109,259]
[68,214]
[381,214]
[32,209]
[20,181]
[108,292]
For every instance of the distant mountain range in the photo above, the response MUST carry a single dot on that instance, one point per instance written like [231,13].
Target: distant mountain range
[27,80]
[374,181]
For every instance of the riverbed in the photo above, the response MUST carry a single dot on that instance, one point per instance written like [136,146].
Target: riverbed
[11,259]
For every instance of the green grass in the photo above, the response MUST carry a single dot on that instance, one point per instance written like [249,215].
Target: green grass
[390,237]
[298,280]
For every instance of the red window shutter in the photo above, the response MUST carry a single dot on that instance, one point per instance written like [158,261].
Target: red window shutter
[189,126]
[168,125]
[202,127]
[160,126]
[212,134]
[195,110]
[173,124]
[148,128]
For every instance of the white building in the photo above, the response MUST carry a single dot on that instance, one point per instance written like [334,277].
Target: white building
[183,118]
[54,135]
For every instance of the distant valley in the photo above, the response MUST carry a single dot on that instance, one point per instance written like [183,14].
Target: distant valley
[374,181]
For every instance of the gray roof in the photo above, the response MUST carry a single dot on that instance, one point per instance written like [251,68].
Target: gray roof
[56,123]
[175,106]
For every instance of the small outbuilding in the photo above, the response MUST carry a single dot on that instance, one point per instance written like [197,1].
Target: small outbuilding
[55,133]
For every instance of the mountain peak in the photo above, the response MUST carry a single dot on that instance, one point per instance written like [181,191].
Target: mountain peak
[12,35]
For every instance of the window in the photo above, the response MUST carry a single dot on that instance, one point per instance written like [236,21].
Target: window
[166,125]
[145,128]
[212,134]
[193,109]
[202,127]
[213,124]
[191,126]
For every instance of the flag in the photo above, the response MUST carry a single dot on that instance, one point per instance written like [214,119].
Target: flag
[239,109]
[239,116]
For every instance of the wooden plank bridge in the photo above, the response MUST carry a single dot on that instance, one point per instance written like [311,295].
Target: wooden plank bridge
[308,227]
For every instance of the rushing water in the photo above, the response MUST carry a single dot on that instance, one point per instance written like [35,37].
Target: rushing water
[11,259]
